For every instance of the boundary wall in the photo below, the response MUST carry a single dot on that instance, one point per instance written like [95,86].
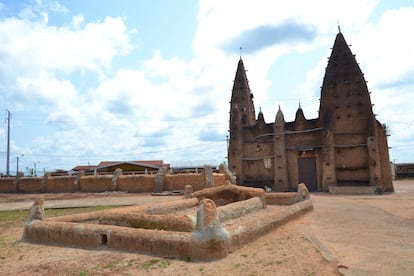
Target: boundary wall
[103,183]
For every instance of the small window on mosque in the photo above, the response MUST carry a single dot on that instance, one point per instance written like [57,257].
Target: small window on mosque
[267,163]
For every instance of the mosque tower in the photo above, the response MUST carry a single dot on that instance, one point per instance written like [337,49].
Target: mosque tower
[242,114]
[344,148]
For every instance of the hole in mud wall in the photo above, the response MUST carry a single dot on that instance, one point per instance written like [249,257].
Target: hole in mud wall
[104,239]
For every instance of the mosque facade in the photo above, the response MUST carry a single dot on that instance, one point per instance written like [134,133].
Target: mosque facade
[345,146]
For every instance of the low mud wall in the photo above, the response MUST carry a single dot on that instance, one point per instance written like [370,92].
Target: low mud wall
[136,183]
[179,181]
[30,185]
[60,184]
[102,183]
[285,198]
[260,224]
[7,185]
[95,184]
[176,244]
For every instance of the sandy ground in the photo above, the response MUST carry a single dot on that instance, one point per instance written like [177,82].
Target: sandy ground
[352,235]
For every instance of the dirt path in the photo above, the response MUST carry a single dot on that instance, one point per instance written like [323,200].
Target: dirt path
[284,251]
[371,235]
[365,235]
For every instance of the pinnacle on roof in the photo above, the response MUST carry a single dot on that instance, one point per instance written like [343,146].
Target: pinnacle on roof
[241,79]
[260,117]
[299,115]
[279,116]
[342,66]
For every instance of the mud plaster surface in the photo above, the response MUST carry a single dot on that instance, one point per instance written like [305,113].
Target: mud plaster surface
[370,235]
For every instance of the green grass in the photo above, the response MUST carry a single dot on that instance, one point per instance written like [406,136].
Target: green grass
[19,215]
[150,263]
[156,263]
[16,218]
[13,215]
[108,266]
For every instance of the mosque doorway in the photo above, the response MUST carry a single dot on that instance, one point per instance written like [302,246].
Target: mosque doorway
[307,173]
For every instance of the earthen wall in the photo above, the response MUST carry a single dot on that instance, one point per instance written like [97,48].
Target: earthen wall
[179,181]
[102,183]
[30,185]
[60,184]
[7,185]
[95,184]
[136,184]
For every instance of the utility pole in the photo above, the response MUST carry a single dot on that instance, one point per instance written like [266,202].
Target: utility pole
[34,168]
[8,143]
[17,164]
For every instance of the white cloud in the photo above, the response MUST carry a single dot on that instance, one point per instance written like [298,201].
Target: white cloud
[77,20]
[315,24]
[220,21]
[387,45]
[33,54]
[45,17]
[36,47]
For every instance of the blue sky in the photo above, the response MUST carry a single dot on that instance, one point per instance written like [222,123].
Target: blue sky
[88,81]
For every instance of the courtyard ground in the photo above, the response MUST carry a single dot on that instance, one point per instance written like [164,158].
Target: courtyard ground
[350,235]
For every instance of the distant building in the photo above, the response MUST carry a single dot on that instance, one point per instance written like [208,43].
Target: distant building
[191,166]
[126,166]
[344,146]
[404,170]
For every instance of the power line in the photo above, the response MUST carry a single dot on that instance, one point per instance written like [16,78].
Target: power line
[122,154]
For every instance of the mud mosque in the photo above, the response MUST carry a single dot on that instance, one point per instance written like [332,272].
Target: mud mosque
[346,146]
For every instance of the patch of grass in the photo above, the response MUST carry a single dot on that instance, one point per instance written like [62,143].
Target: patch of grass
[244,255]
[405,178]
[156,263]
[83,273]
[163,263]
[108,266]
[19,215]
[279,262]
[12,216]
[150,263]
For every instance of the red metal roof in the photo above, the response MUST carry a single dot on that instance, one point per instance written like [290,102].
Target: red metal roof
[157,163]
[151,163]
[83,168]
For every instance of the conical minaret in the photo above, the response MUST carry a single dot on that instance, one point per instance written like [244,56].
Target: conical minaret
[241,97]
[344,91]
[242,114]
[348,122]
